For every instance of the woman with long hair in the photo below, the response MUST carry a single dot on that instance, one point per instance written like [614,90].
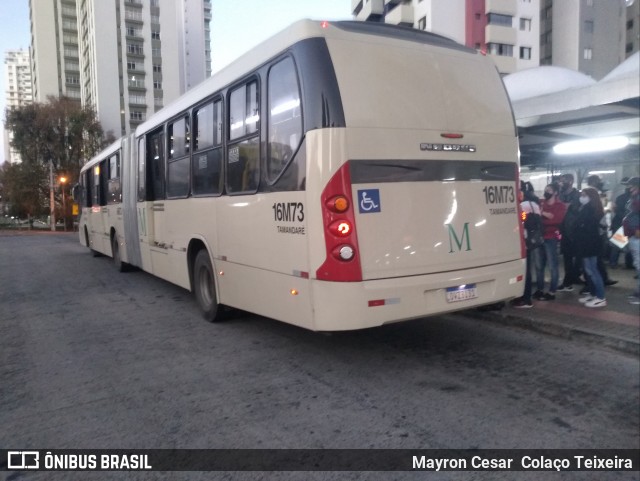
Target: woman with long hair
[589,245]
[553,212]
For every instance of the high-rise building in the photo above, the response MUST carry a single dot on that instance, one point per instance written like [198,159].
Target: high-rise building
[17,78]
[584,35]
[54,49]
[506,30]
[124,58]
[632,27]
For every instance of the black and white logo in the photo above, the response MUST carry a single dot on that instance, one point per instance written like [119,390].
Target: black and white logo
[23,459]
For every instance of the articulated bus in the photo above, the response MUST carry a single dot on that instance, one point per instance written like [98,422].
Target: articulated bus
[341,175]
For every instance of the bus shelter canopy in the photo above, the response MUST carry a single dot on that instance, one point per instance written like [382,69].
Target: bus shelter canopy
[554,104]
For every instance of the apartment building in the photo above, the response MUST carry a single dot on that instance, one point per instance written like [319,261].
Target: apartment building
[591,36]
[125,58]
[54,49]
[19,92]
[506,30]
[632,27]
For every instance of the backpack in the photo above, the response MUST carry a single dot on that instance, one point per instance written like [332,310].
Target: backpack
[533,230]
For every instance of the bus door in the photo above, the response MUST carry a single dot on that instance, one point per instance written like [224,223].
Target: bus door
[143,206]
[155,208]
[99,240]
[85,200]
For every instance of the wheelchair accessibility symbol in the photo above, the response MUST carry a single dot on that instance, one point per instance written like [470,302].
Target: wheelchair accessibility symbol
[368,201]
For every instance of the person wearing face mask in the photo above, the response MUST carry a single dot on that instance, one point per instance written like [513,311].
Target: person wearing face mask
[589,245]
[597,183]
[553,212]
[529,204]
[572,264]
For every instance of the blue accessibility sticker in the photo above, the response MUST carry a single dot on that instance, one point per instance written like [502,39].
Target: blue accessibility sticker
[369,201]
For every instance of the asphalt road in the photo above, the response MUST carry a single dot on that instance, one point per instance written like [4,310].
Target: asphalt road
[92,358]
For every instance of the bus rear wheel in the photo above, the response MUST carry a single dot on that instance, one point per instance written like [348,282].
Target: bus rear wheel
[204,286]
[115,251]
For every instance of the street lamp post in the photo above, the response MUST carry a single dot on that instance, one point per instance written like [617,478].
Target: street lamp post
[52,202]
[63,181]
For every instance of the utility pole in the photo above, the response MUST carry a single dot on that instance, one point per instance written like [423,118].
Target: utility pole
[52,201]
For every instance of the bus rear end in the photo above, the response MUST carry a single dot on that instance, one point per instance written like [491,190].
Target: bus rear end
[419,202]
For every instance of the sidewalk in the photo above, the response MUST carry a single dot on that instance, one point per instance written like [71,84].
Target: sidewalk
[616,326]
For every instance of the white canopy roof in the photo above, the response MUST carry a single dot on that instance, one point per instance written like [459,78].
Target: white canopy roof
[554,104]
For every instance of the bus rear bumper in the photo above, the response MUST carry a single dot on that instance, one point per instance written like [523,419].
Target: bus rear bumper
[357,305]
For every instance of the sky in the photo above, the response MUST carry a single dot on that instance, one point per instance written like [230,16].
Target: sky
[14,34]
[236,26]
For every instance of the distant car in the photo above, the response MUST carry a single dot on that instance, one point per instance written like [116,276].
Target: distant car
[39,224]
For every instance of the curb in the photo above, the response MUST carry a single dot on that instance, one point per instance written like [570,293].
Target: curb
[558,329]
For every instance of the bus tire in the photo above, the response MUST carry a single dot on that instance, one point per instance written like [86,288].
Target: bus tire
[204,286]
[115,253]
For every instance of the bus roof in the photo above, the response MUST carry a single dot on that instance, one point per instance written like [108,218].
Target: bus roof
[300,30]
[104,153]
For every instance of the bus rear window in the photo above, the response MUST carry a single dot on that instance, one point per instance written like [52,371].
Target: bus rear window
[285,117]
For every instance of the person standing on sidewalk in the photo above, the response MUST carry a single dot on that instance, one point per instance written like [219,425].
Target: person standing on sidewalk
[553,212]
[528,205]
[631,225]
[570,196]
[619,211]
[589,245]
[597,183]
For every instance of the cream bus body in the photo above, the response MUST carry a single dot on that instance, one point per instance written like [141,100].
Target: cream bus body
[101,205]
[416,136]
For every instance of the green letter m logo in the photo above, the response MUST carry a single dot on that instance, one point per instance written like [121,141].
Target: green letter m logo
[453,237]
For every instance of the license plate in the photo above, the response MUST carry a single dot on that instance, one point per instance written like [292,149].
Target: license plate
[461,293]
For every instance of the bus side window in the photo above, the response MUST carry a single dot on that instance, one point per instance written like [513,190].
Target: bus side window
[98,184]
[179,138]
[104,182]
[155,163]
[77,193]
[284,121]
[86,183]
[115,191]
[243,159]
[206,162]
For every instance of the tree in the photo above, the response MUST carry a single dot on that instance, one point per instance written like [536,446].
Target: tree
[23,123]
[24,189]
[60,130]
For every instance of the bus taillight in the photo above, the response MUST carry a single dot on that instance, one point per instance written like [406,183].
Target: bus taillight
[342,262]
[344,252]
[338,204]
[340,228]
